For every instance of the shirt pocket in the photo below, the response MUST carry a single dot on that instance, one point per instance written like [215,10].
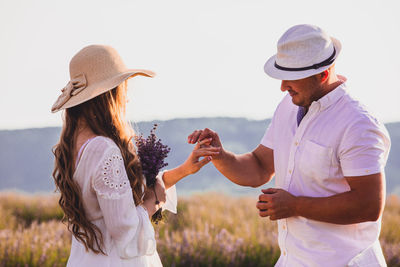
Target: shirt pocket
[315,160]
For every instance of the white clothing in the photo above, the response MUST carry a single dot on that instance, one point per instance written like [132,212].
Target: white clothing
[128,234]
[336,138]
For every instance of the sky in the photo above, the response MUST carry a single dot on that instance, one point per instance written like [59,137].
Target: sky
[208,55]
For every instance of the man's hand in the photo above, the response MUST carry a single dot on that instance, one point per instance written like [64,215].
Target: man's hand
[363,202]
[277,204]
[200,135]
[249,169]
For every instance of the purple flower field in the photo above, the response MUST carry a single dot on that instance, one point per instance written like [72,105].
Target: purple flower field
[209,230]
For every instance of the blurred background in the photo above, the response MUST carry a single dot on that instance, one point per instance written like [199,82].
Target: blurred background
[209,59]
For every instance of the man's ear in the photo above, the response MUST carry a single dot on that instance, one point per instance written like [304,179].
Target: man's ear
[324,75]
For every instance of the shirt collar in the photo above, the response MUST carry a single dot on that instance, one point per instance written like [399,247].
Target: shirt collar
[332,97]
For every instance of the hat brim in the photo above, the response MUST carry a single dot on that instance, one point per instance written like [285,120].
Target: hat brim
[99,88]
[272,71]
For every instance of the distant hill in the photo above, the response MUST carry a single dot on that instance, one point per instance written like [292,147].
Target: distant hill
[26,160]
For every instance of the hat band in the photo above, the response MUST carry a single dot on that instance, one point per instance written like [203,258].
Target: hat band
[326,62]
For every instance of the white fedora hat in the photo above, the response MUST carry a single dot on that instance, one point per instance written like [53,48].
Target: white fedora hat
[303,50]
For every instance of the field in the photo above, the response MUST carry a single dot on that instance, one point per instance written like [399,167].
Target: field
[209,230]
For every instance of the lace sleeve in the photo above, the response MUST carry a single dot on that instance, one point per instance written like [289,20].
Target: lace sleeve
[128,225]
[112,181]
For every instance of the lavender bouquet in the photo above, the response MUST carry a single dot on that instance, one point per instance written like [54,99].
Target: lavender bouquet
[152,153]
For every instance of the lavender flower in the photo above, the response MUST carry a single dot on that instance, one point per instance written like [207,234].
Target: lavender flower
[152,153]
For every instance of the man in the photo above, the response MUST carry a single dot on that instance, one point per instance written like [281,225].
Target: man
[327,154]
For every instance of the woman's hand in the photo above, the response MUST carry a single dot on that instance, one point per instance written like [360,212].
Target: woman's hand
[202,149]
[149,199]
[193,163]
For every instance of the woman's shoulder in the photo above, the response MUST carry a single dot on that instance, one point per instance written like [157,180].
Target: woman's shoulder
[102,142]
[101,146]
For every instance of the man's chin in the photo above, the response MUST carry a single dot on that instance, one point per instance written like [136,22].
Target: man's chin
[297,103]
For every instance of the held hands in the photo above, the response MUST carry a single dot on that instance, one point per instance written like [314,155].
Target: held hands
[193,163]
[276,204]
[206,148]
[202,149]
[200,135]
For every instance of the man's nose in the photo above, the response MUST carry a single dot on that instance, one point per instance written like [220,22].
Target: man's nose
[284,86]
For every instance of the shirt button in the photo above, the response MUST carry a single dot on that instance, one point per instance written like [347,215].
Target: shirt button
[296,143]
[284,227]
[290,171]
[284,253]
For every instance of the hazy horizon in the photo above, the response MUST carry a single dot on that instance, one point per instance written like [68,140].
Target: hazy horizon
[136,122]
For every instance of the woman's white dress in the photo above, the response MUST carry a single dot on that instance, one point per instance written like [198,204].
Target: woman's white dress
[128,234]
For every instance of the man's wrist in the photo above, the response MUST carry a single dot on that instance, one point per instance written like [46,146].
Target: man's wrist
[298,202]
[222,154]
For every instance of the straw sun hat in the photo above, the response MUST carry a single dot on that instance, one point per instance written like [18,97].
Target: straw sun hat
[94,70]
[303,50]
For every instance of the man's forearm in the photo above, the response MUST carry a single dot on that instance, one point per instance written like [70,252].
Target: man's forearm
[363,202]
[244,169]
[345,208]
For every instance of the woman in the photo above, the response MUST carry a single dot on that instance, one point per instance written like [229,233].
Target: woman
[97,170]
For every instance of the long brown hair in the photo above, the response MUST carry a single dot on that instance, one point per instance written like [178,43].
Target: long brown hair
[105,116]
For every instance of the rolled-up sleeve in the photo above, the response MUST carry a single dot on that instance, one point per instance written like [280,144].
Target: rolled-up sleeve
[364,148]
[268,138]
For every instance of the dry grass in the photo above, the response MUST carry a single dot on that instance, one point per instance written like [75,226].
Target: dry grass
[209,230]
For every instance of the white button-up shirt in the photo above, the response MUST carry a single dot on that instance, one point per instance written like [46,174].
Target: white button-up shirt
[336,138]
